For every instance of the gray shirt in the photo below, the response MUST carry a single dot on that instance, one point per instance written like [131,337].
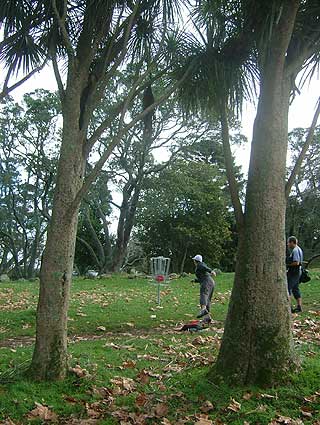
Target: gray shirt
[295,256]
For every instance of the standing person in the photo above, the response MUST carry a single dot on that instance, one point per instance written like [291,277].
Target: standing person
[203,276]
[294,262]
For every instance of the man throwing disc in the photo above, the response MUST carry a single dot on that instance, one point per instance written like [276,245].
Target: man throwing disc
[204,277]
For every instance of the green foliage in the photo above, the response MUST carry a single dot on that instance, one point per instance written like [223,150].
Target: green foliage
[224,71]
[28,156]
[184,211]
[303,210]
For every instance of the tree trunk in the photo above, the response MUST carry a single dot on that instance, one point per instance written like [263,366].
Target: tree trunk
[119,249]
[184,257]
[33,253]
[4,260]
[257,343]
[257,346]
[118,258]
[125,225]
[49,360]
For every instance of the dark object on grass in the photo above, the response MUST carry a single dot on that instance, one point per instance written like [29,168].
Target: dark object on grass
[195,325]
[304,276]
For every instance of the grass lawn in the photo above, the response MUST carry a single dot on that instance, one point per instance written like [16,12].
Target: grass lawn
[130,365]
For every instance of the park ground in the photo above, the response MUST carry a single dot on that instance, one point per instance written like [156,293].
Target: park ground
[130,365]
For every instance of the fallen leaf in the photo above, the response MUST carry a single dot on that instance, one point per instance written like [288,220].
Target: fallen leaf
[218,421]
[94,410]
[207,406]
[306,411]
[161,410]
[104,392]
[70,399]
[81,373]
[234,406]
[89,421]
[129,364]
[285,420]
[247,396]
[42,412]
[123,385]
[143,377]
[101,328]
[161,386]
[203,421]
[199,341]
[141,400]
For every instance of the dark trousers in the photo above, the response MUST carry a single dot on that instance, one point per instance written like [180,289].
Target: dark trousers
[293,284]
[206,292]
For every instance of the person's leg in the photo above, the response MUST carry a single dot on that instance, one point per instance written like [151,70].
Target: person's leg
[297,295]
[208,306]
[203,300]
[290,285]
[207,318]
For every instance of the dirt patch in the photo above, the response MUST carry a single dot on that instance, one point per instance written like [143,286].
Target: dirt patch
[26,341]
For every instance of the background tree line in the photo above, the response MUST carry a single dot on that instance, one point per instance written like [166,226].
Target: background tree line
[173,207]
[174,188]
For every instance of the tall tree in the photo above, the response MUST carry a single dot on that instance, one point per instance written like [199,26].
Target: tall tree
[28,155]
[303,209]
[257,343]
[182,211]
[94,242]
[90,40]
[150,146]
[136,160]
[274,41]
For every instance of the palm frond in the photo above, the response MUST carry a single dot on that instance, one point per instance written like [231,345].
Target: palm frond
[225,70]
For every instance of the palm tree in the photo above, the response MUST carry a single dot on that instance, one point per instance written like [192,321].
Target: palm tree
[89,40]
[224,76]
[275,40]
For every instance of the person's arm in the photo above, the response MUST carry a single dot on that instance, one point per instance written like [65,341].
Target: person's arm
[205,268]
[208,270]
[294,259]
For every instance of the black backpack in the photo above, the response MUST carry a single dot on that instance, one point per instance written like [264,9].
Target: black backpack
[304,278]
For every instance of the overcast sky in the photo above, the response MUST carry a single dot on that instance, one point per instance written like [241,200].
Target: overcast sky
[300,114]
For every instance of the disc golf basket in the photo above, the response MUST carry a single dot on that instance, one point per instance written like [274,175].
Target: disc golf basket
[160,270]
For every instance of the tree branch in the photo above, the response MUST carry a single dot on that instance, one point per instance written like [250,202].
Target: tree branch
[6,90]
[90,249]
[303,152]
[118,108]
[58,76]
[233,185]
[114,204]
[117,138]
[61,22]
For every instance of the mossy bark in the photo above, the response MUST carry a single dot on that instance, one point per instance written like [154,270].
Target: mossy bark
[257,346]
[49,360]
